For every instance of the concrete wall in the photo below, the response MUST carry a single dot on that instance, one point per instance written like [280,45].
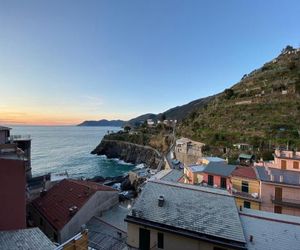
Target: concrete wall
[12,194]
[101,201]
[268,190]
[171,241]
[3,136]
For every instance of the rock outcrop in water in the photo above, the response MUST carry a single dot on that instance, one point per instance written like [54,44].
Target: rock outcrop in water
[129,152]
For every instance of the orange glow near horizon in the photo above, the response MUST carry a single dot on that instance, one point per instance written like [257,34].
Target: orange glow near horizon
[50,118]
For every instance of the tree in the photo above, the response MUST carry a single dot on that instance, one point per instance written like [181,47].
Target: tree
[228,93]
[163,117]
[127,128]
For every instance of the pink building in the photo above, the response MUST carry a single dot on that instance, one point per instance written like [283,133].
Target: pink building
[280,190]
[212,174]
[287,160]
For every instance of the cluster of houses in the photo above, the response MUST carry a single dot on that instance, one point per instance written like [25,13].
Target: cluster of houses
[207,205]
[153,123]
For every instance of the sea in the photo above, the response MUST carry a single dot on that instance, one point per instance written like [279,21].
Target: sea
[56,149]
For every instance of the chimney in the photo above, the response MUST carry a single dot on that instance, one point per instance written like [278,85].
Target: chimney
[161,201]
[251,238]
[272,177]
[133,212]
[241,208]
[73,210]
[43,192]
[281,178]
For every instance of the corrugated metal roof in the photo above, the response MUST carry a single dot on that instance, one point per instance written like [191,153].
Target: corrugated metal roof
[193,209]
[26,239]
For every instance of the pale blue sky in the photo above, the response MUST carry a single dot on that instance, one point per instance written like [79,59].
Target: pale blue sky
[118,59]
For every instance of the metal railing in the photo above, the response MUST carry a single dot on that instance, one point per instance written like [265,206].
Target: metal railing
[19,137]
[286,201]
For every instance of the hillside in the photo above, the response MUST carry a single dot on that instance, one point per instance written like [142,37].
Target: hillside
[262,109]
[103,123]
[177,113]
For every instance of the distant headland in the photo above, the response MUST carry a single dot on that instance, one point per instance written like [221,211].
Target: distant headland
[103,123]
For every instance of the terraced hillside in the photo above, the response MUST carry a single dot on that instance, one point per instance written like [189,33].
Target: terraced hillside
[262,109]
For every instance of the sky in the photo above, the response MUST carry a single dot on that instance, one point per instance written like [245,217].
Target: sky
[65,61]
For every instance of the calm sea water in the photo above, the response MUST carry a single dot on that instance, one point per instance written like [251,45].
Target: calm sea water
[56,149]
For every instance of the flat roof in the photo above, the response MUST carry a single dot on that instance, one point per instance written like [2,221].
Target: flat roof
[204,211]
[32,238]
[270,231]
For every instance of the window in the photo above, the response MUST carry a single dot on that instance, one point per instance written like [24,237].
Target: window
[277,209]
[247,204]
[144,239]
[210,180]
[296,165]
[245,186]
[160,240]
[283,164]
[223,183]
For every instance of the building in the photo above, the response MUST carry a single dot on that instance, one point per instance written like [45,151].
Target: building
[188,151]
[210,159]
[150,122]
[170,215]
[19,144]
[32,238]
[4,134]
[287,160]
[12,190]
[214,174]
[269,231]
[243,146]
[246,187]
[67,206]
[246,159]
[280,190]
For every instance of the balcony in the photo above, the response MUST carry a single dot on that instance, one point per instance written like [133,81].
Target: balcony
[20,138]
[247,196]
[286,202]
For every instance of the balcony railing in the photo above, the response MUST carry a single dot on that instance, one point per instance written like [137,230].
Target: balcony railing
[19,137]
[286,202]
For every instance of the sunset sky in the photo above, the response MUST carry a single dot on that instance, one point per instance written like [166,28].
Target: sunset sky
[62,62]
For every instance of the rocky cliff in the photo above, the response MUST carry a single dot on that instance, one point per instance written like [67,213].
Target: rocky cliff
[129,152]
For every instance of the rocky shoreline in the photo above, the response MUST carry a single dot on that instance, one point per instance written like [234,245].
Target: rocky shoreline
[129,152]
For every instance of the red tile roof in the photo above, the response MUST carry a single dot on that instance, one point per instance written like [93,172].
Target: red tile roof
[246,172]
[55,204]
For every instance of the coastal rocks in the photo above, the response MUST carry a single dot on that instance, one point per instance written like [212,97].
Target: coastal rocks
[129,152]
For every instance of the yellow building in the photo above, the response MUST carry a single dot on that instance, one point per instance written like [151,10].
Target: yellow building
[177,216]
[246,187]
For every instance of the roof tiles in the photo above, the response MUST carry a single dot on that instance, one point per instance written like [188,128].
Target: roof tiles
[55,204]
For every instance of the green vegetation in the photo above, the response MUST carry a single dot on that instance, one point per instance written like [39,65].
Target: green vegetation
[263,109]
